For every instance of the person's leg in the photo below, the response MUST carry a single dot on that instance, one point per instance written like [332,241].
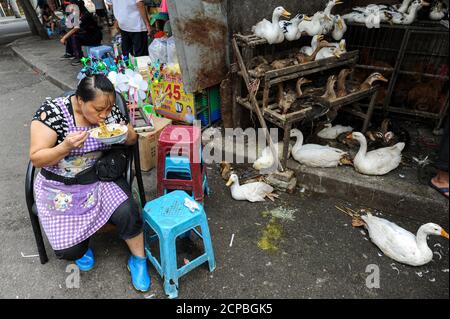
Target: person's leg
[69,47]
[127,43]
[140,43]
[128,220]
[441,181]
[73,253]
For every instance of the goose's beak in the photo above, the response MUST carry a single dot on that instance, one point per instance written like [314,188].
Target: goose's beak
[286,14]
[230,182]
[320,37]
[339,2]
[306,18]
[425,4]
[444,234]
[349,136]
[382,78]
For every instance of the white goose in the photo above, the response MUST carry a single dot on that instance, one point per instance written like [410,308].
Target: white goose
[332,132]
[267,160]
[335,49]
[310,50]
[410,16]
[290,28]
[271,31]
[438,11]
[378,162]
[311,27]
[339,28]
[314,155]
[326,18]
[253,192]
[400,244]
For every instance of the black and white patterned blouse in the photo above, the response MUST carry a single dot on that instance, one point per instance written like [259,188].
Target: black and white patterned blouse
[51,115]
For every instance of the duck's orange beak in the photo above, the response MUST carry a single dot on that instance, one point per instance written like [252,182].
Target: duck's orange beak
[286,14]
[444,234]
[230,182]
[349,136]
[382,78]
[425,4]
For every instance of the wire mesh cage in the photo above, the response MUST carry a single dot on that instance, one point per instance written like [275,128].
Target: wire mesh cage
[414,57]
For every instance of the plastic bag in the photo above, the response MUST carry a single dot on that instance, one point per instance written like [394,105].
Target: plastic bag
[172,57]
[157,50]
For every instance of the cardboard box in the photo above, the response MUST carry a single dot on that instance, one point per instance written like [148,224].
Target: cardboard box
[148,144]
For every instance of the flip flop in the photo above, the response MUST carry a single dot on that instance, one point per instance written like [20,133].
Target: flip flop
[442,191]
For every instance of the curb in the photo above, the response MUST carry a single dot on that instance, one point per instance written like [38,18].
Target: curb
[399,201]
[41,69]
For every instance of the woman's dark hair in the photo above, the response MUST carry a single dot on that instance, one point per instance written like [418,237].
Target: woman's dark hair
[91,85]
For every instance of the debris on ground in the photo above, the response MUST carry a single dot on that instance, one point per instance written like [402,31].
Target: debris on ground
[271,236]
[395,268]
[281,213]
[232,240]
[284,182]
[28,256]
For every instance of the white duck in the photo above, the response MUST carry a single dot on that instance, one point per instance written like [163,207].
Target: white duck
[314,155]
[438,11]
[339,28]
[290,28]
[266,160]
[335,49]
[271,31]
[326,18]
[404,6]
[332,132]
[400,244]
[311,27]
[315,41]
[410,16]
[378,162]
[253,192]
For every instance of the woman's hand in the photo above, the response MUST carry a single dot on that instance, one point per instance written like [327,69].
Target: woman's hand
[63,41]
[75,140]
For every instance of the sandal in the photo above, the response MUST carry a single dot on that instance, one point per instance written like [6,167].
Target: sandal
[443,191]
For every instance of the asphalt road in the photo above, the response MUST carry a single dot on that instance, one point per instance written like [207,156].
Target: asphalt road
[317,253]
[13,30]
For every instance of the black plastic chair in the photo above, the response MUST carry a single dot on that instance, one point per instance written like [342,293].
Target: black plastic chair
[133,155]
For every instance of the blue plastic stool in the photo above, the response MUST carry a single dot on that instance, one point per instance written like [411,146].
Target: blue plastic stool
[169,218]
[181,167]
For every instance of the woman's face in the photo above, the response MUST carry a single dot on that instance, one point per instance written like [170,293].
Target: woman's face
[98,110]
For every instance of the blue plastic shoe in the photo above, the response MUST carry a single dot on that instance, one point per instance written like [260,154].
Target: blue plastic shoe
[86,262]
[139,275]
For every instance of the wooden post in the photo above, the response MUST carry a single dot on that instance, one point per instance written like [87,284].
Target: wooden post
[254,102]
[370,112]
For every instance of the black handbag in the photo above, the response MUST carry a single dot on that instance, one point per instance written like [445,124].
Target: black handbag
[112,165]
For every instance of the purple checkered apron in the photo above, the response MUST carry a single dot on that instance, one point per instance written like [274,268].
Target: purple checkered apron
[71,214]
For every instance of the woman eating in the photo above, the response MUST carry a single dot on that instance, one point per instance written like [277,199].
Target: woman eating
[72,200]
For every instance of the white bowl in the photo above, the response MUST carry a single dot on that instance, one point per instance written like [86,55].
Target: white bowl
[110,140]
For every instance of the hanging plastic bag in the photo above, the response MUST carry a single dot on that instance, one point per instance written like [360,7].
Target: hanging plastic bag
[172,57]
[157,50]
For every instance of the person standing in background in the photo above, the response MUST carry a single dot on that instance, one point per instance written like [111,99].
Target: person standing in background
[100,11]
[132,21]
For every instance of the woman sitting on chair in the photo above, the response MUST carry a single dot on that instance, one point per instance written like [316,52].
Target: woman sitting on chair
[72,202]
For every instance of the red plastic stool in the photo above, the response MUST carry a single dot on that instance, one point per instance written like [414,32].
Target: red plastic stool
[181,141]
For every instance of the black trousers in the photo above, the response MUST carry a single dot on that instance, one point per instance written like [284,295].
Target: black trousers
[135,43]
[76,41]
[127,218]
[442,162]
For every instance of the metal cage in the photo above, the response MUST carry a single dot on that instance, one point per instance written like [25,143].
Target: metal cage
[415,57]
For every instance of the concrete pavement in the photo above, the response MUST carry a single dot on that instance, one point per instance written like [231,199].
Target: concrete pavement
[318,254]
